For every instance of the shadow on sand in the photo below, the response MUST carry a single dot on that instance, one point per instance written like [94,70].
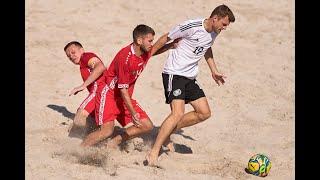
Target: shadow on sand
[63,110]
[73,130]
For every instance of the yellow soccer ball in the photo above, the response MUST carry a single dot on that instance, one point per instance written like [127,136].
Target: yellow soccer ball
[259,165]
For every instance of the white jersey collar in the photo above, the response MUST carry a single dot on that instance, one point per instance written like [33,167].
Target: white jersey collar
[132,49]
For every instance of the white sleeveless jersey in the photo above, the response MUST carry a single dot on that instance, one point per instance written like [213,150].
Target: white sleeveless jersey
[183,60]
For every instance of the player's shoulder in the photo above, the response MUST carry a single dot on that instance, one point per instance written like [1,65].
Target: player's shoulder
[88,55]
[191,23]
[124,52]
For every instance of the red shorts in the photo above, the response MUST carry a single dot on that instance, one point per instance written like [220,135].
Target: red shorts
[110,108]
[88,103]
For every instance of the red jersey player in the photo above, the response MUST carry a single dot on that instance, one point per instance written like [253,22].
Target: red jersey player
[114,98]
[91,69]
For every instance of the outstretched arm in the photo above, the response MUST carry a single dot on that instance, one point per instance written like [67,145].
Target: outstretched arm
[159,44]
[98,69]
[168,46]
[216,75]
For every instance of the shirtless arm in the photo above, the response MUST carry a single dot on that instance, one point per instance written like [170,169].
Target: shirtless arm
[159,44]
[216,75]
[168,46]
[127,100]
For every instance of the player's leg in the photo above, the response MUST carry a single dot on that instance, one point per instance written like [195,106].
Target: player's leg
[132,131]
[86,107]
[196,97]
[166,129]
[80,117]
[105,113]
[201,113]
[79,125]
[91,123]
[174,91]
[103,132]
[168,143]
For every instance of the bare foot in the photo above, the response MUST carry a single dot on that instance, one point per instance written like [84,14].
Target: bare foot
[112,144]
[152,160]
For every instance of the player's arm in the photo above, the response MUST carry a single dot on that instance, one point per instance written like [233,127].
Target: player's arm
[175,34]
[127,100]
[210,61]
[168,46]
[123,84]
[160,44]
[97,69]
[216,75]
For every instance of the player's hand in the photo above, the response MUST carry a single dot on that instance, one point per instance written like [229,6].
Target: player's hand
[218,77]
[76,90]
[136,120]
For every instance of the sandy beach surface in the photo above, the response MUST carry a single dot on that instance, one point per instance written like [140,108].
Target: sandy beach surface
[253,112]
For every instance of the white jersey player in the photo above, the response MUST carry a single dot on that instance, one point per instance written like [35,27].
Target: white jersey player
[183,60]
[180,72]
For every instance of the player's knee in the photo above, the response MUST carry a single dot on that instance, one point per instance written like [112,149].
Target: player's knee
[205,115]
[177,115]
[105,133]
[83,113]
[147,126]
[80,118]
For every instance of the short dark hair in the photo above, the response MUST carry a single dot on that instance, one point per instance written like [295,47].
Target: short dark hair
[141,30]
[223,11]
[71,43]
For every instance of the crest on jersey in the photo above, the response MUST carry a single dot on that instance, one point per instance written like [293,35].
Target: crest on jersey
[177,92]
